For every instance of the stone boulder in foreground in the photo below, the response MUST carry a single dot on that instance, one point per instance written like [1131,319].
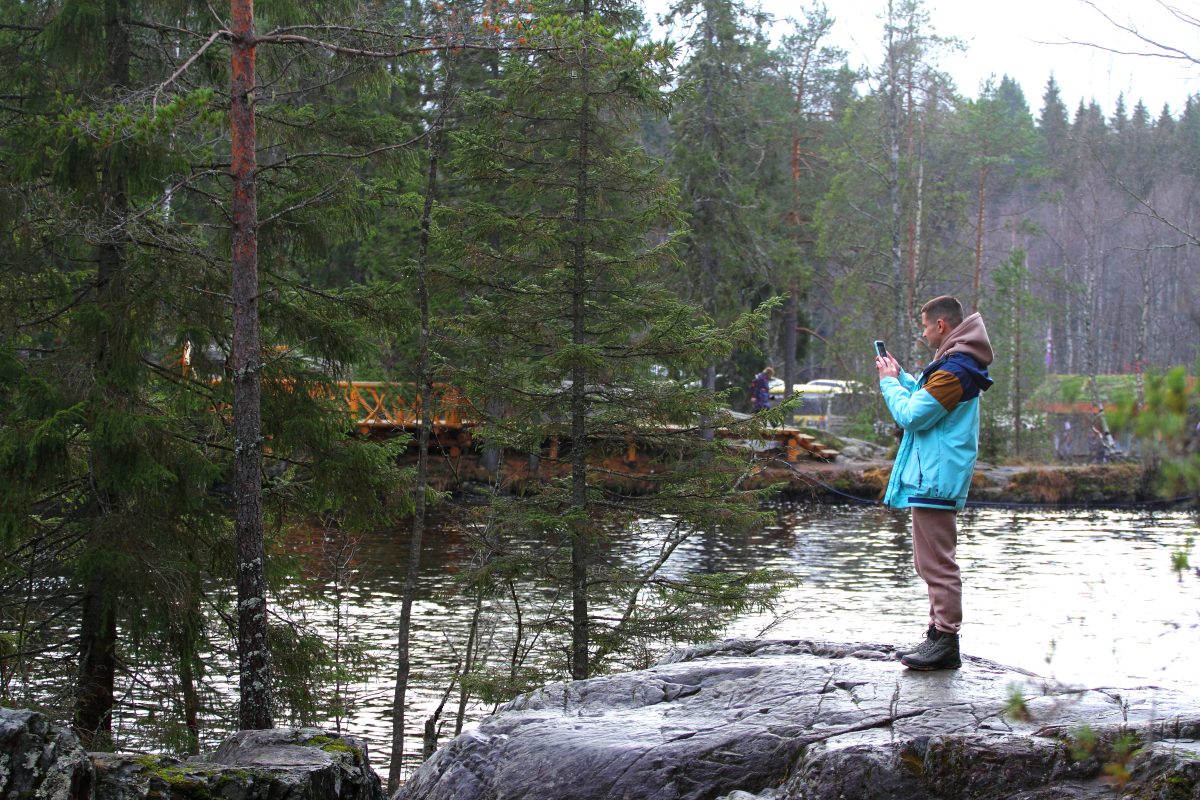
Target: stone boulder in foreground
[42,761]
[276,764]
[798,719]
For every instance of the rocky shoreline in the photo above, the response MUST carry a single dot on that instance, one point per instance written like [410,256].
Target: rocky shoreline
[857,475]
[43,761]
[1090,485]
[805,720]
[733,720]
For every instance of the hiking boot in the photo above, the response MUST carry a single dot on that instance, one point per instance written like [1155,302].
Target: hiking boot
[931,635]
[942,653]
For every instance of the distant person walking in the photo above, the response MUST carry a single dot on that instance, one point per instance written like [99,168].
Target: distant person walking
[939,412]
[760,390]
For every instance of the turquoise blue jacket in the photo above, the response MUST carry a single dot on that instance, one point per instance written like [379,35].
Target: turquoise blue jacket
[939,412]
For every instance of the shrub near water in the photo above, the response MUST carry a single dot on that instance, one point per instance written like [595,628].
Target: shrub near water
[1167,424]
[1098,484]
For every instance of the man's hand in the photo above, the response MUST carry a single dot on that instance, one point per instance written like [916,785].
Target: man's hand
[888,367]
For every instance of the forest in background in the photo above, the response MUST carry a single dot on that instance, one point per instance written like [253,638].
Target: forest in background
[534,203]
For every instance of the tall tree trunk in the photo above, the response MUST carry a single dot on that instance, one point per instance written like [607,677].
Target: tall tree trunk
[468,662]
[425,381]
[980,216]
[916,229]
[896,222]
[1143,329]
[915,168]
[791,322]
[97,664]
[255,710]
[1018,325]
[185,650]
[579,406]
[704,215]
[791,313]
[492,454]
[98,627]
[1093,258]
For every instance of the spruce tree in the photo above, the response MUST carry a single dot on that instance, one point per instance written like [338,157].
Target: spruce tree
[106,462]
[1053,124]
[570,325]
[116,449]
[719,148]
[800,122]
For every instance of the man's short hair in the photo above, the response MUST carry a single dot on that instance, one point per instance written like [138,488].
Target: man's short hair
[944,307]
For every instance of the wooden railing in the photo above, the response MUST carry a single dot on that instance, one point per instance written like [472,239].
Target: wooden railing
[377,405]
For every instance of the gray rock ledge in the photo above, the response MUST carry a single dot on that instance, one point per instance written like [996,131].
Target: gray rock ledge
[276,764]
[807,720]
[42,761]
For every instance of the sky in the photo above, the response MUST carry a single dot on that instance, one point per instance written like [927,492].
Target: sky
[1029,39]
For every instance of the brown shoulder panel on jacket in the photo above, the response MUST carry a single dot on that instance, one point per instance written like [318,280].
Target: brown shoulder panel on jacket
[946,388]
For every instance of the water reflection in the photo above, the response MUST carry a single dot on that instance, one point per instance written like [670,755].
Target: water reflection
[1086,597]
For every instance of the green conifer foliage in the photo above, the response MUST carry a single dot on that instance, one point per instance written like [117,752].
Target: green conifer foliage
[107,463]
[720,158]
[571,326]
[113,159]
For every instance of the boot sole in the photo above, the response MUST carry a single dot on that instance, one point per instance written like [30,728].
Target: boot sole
[931,667]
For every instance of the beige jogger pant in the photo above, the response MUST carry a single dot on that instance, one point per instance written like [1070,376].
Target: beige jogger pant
[935,538]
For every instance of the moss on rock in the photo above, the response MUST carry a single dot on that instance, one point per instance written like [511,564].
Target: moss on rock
[332,744]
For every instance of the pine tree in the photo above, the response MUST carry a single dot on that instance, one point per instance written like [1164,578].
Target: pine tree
[1002,139]
[808,72]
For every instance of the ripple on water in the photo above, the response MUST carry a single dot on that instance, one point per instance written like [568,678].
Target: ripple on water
[1086,597]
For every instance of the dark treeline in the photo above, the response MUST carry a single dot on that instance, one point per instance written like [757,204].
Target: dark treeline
[594,237]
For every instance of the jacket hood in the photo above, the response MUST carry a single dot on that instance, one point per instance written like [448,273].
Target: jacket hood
[969,337]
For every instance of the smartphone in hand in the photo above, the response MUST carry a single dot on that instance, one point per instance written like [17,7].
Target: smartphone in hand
[880,349]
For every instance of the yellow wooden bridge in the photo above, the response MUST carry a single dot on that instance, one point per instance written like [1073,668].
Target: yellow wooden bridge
[382,408]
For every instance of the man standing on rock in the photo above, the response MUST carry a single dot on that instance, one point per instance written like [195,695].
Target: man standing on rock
[939,412]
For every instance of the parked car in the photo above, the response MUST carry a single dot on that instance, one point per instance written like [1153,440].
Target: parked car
[822,401]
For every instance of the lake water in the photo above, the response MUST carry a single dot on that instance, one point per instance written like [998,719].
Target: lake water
[1083,597]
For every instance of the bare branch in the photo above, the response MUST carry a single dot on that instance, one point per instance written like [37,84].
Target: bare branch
[191,60]
[1153,212]
[158,26]
[338,28]
[366,154]
[320,197]
[1163,50]
[411,51]
[1182,16]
